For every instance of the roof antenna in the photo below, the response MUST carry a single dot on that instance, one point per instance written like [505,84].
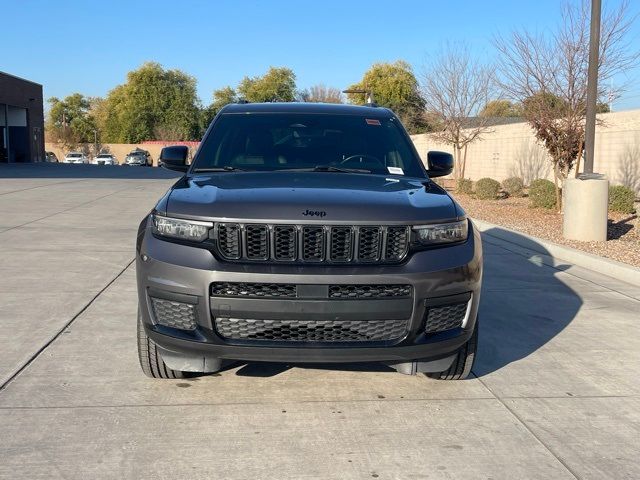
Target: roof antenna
[370,102]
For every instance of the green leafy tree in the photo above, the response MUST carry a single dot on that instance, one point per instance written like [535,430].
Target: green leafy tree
[154,104]
[108,115]
[70,121]
[394,86]
[500,108]
[277,85]
[221,97]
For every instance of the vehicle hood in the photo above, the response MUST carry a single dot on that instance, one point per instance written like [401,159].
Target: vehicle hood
[324,197]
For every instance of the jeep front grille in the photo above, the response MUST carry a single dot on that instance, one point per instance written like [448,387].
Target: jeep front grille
[312,243]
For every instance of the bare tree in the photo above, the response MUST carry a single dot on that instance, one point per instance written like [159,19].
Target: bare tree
[455,88]
[322,94]
[548,74]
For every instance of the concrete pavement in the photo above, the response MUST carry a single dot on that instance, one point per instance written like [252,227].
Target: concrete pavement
[555,392]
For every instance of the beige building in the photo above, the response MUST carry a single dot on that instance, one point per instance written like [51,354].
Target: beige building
[512,150]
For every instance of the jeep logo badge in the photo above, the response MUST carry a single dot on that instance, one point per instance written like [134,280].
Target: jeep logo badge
[314,213]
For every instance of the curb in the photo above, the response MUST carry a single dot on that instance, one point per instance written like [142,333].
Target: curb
[615,269]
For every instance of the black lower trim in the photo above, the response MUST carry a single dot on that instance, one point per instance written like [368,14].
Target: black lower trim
[433,347]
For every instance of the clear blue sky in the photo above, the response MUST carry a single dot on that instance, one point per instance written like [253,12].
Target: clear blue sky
[88,47]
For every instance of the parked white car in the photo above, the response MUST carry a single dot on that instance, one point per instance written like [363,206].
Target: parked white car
[105,159]
[138,157]
[75,157]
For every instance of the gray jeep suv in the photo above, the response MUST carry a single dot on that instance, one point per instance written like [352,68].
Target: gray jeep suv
[306,233]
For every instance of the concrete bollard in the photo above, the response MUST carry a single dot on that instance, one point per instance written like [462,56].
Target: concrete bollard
[586,205]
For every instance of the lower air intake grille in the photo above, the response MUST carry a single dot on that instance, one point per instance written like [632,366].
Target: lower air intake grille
[311,331]
[174,314]
[445,317]
[255,290]
[369,291]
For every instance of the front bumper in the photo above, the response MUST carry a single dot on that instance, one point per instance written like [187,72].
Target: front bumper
[183,273]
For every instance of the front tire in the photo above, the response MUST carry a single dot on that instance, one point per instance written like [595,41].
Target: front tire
[150,359]
[463,363]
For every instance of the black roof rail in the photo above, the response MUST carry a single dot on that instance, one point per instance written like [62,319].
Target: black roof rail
[242,101]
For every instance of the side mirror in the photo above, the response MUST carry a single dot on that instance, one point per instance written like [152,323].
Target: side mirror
[174,158]
[439,164]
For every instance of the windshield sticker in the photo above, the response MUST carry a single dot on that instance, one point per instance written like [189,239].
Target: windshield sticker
[395,171]
[372,121]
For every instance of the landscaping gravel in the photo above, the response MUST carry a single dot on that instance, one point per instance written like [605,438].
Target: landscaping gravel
[623,242]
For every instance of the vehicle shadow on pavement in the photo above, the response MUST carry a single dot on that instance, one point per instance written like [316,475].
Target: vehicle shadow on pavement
[71,171]
[524,303]
[267,369]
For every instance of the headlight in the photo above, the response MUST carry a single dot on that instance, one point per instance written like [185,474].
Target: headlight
[181,229]
[441,233]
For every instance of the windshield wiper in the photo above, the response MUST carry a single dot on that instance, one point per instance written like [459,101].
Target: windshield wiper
[327,168]
[226,168]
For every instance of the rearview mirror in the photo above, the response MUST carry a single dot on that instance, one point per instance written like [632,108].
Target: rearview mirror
[439,164]
[174,158]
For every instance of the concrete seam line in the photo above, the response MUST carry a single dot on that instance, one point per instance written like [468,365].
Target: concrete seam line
[64,327]
[40,186]
[227,404]
[63,211]
[302,402]
[617,270]
[533,434]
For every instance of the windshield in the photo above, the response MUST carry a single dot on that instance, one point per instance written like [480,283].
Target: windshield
[74,155]
[285,141]
[104,155]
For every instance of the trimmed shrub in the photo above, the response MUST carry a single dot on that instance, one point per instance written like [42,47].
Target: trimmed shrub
[464,185]
[542,193]
[514,186]
[621,199]
[487,189]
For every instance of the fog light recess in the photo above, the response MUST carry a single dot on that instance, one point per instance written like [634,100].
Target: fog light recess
[445,317]
[174,314]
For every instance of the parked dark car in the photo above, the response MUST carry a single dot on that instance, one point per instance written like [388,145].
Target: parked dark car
[307,233]
[50,157]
